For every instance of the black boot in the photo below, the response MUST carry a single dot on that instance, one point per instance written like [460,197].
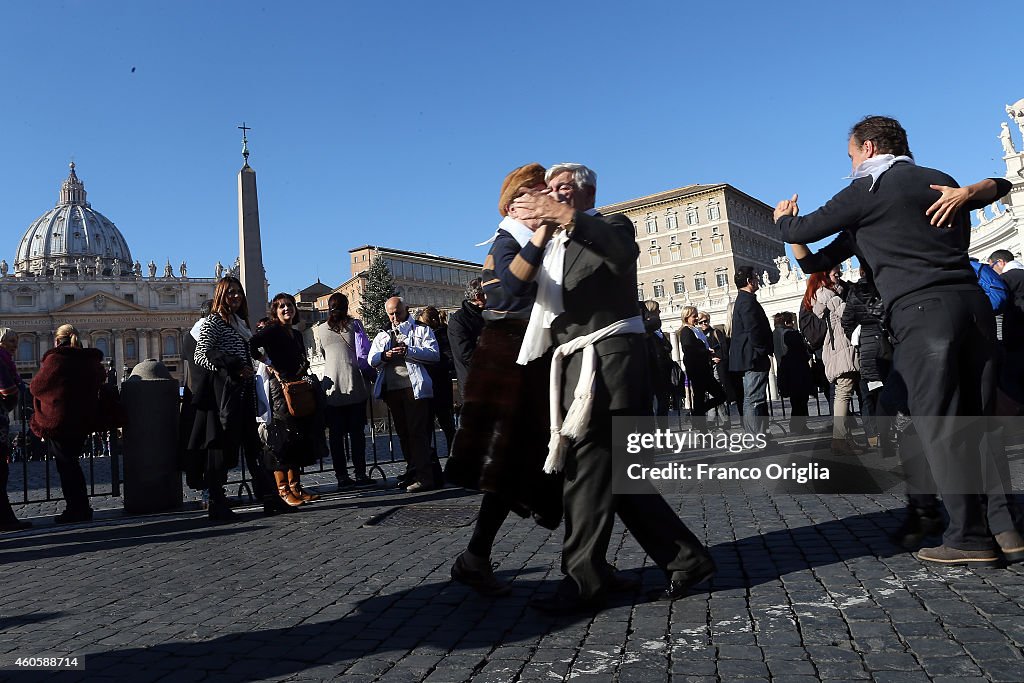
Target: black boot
[219,509]
[273,505]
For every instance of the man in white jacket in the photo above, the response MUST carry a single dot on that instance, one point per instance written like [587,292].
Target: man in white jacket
[404,385]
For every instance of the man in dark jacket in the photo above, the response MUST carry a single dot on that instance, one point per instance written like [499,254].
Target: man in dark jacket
[909,224]
[1011,373]
[750,350]
[464,328]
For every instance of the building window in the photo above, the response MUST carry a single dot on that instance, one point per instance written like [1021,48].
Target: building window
[721,279]
[671,219]
[104,346]
[717,245]
[23,300]
[678,286]
[168,299]
[659,291]
[655,257]
[700,283]
[714,213]
[691,215]
[674,253]
[130,298]
[68,299]
[639,293]
[170,345]
[26,350]
[695,249]
[129,348]
[652,223]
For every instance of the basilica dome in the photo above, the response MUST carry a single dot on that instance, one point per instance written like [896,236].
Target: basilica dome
[72,239]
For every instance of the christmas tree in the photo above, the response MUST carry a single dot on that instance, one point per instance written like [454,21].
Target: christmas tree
[380,287]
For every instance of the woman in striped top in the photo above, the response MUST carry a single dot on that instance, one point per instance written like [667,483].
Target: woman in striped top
[226,414]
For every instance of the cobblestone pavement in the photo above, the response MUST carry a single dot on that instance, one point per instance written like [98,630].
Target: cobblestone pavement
[808,588]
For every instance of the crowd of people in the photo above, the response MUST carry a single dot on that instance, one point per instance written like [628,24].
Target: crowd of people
[550,345]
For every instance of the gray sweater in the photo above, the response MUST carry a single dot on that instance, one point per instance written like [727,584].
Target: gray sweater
[342,381]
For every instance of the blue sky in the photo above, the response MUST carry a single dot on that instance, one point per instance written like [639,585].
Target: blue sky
[394,123]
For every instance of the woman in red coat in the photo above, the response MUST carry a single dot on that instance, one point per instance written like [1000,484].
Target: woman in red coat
[64,395]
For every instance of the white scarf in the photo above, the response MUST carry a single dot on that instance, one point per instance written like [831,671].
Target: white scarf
[578,417]
[520,232]
[876,166]
[1013,265]
[240,326]
[549,304]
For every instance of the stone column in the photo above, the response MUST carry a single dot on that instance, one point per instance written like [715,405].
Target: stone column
[143,343]
[118,354]
[45,344]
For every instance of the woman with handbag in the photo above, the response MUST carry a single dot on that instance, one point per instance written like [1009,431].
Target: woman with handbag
[697,360]
[826,297]
[343,342]
[291,433]
[65,396]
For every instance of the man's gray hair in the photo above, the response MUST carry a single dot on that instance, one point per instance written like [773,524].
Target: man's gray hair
[581,175]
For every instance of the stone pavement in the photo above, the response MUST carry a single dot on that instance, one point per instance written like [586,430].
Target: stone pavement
[808,588]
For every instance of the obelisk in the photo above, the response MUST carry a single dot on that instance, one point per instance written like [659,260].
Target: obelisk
[250,249]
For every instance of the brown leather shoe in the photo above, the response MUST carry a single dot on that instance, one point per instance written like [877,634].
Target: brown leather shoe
[955,556]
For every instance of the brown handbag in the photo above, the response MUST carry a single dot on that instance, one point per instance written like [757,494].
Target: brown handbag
[299,396]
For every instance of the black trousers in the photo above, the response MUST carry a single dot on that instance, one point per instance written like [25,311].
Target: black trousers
[798,412]
[590,509]
[945,356]
[493,513]
[412,421]
[6,511]
[65,452]
[347,421]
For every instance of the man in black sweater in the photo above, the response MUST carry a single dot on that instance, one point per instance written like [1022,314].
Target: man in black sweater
[910,225]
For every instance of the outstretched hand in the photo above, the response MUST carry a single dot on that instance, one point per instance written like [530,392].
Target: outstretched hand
[787,207]
[945,207]
[541,205]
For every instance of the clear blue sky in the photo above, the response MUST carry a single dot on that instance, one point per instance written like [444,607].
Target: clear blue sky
[394,123]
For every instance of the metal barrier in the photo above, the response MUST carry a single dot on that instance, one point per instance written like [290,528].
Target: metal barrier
[382,449]
[101,466]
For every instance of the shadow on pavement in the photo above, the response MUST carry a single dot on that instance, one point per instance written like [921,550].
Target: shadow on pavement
[440,618]
[66,542]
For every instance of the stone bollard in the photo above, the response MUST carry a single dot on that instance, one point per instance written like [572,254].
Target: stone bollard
[152,481]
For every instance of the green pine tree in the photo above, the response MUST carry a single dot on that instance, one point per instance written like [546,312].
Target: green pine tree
[380,287]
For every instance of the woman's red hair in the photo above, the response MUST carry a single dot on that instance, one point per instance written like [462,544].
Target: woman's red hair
[815,282]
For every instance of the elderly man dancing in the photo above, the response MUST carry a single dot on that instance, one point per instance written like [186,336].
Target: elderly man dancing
[587,298]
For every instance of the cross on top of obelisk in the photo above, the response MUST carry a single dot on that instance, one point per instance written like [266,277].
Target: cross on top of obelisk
[245,142]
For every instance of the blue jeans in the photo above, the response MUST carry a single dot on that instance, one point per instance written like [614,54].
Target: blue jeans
[755,401]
